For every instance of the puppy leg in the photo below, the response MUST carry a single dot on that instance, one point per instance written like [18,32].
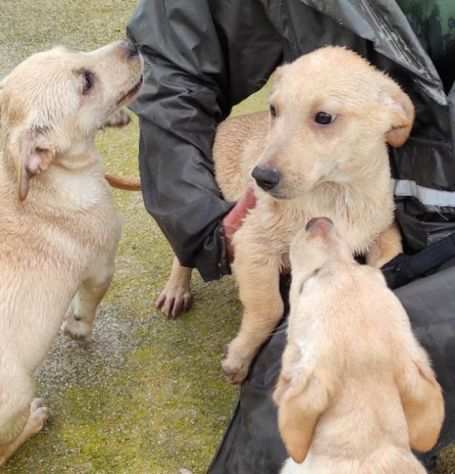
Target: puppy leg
[176,296]
[20,415]
[263,307]
[386,246]
[80,317]
[38,415]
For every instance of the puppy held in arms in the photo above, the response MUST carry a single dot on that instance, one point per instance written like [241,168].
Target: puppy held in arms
[58,226]
[356,391]
[322,150]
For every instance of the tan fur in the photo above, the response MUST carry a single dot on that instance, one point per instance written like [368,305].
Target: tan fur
[341,171]
[234,139]
[120,118]
[59,229]
[356,391]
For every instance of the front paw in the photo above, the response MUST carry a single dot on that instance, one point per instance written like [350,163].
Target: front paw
[235,368]
[76,327]
[118,119]
[174,300]
[39,414]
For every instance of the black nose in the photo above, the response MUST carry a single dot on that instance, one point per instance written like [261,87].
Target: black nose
[130,49]
[266,178]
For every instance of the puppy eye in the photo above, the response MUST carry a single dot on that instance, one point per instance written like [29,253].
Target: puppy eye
[273,111]
[323,118]
[89,81]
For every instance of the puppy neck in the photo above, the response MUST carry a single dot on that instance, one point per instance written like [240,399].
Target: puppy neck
[79,157]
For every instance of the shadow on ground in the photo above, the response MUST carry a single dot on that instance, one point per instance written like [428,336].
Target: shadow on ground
[145,395]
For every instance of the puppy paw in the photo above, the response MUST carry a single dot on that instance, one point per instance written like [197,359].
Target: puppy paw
[173,301]
[76,328]
[39,415]
[235,368]
[120,118]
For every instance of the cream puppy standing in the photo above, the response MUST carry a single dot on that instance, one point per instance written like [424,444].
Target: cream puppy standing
[58,226]
[356,391]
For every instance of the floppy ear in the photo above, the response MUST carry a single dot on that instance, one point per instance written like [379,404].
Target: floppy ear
[423,403]
[301,401]
[31,154]
[401,110]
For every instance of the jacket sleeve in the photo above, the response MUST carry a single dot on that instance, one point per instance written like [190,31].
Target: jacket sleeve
[188,89]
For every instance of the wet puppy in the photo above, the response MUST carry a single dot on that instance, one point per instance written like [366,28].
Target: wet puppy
[331,118]
[321,150]
[59,229]
[356,391]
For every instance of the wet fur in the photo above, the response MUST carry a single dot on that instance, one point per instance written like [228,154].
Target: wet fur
[342,345]
[340,171]
[59,229]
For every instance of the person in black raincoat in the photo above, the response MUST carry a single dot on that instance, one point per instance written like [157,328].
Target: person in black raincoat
[204,56]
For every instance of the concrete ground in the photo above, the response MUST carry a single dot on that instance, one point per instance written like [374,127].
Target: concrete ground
[146,395]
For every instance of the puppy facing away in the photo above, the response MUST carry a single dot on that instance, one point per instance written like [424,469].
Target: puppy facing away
[321,150]
[59,229]
[356,391]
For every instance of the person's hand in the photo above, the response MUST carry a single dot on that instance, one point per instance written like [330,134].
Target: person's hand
[234,218]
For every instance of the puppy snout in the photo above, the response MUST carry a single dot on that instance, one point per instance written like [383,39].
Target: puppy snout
[319,225]
[129,48]
[266,178]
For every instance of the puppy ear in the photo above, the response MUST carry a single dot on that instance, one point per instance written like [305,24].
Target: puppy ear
[301,401]
[32,154]
[402,113]
[423,403]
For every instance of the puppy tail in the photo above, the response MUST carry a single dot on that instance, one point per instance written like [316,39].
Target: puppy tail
[127,184]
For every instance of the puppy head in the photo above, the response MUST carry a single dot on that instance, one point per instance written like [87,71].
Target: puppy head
[331,114]
[52,104]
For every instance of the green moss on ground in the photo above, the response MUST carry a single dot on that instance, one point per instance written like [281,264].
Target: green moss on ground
[146,395]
